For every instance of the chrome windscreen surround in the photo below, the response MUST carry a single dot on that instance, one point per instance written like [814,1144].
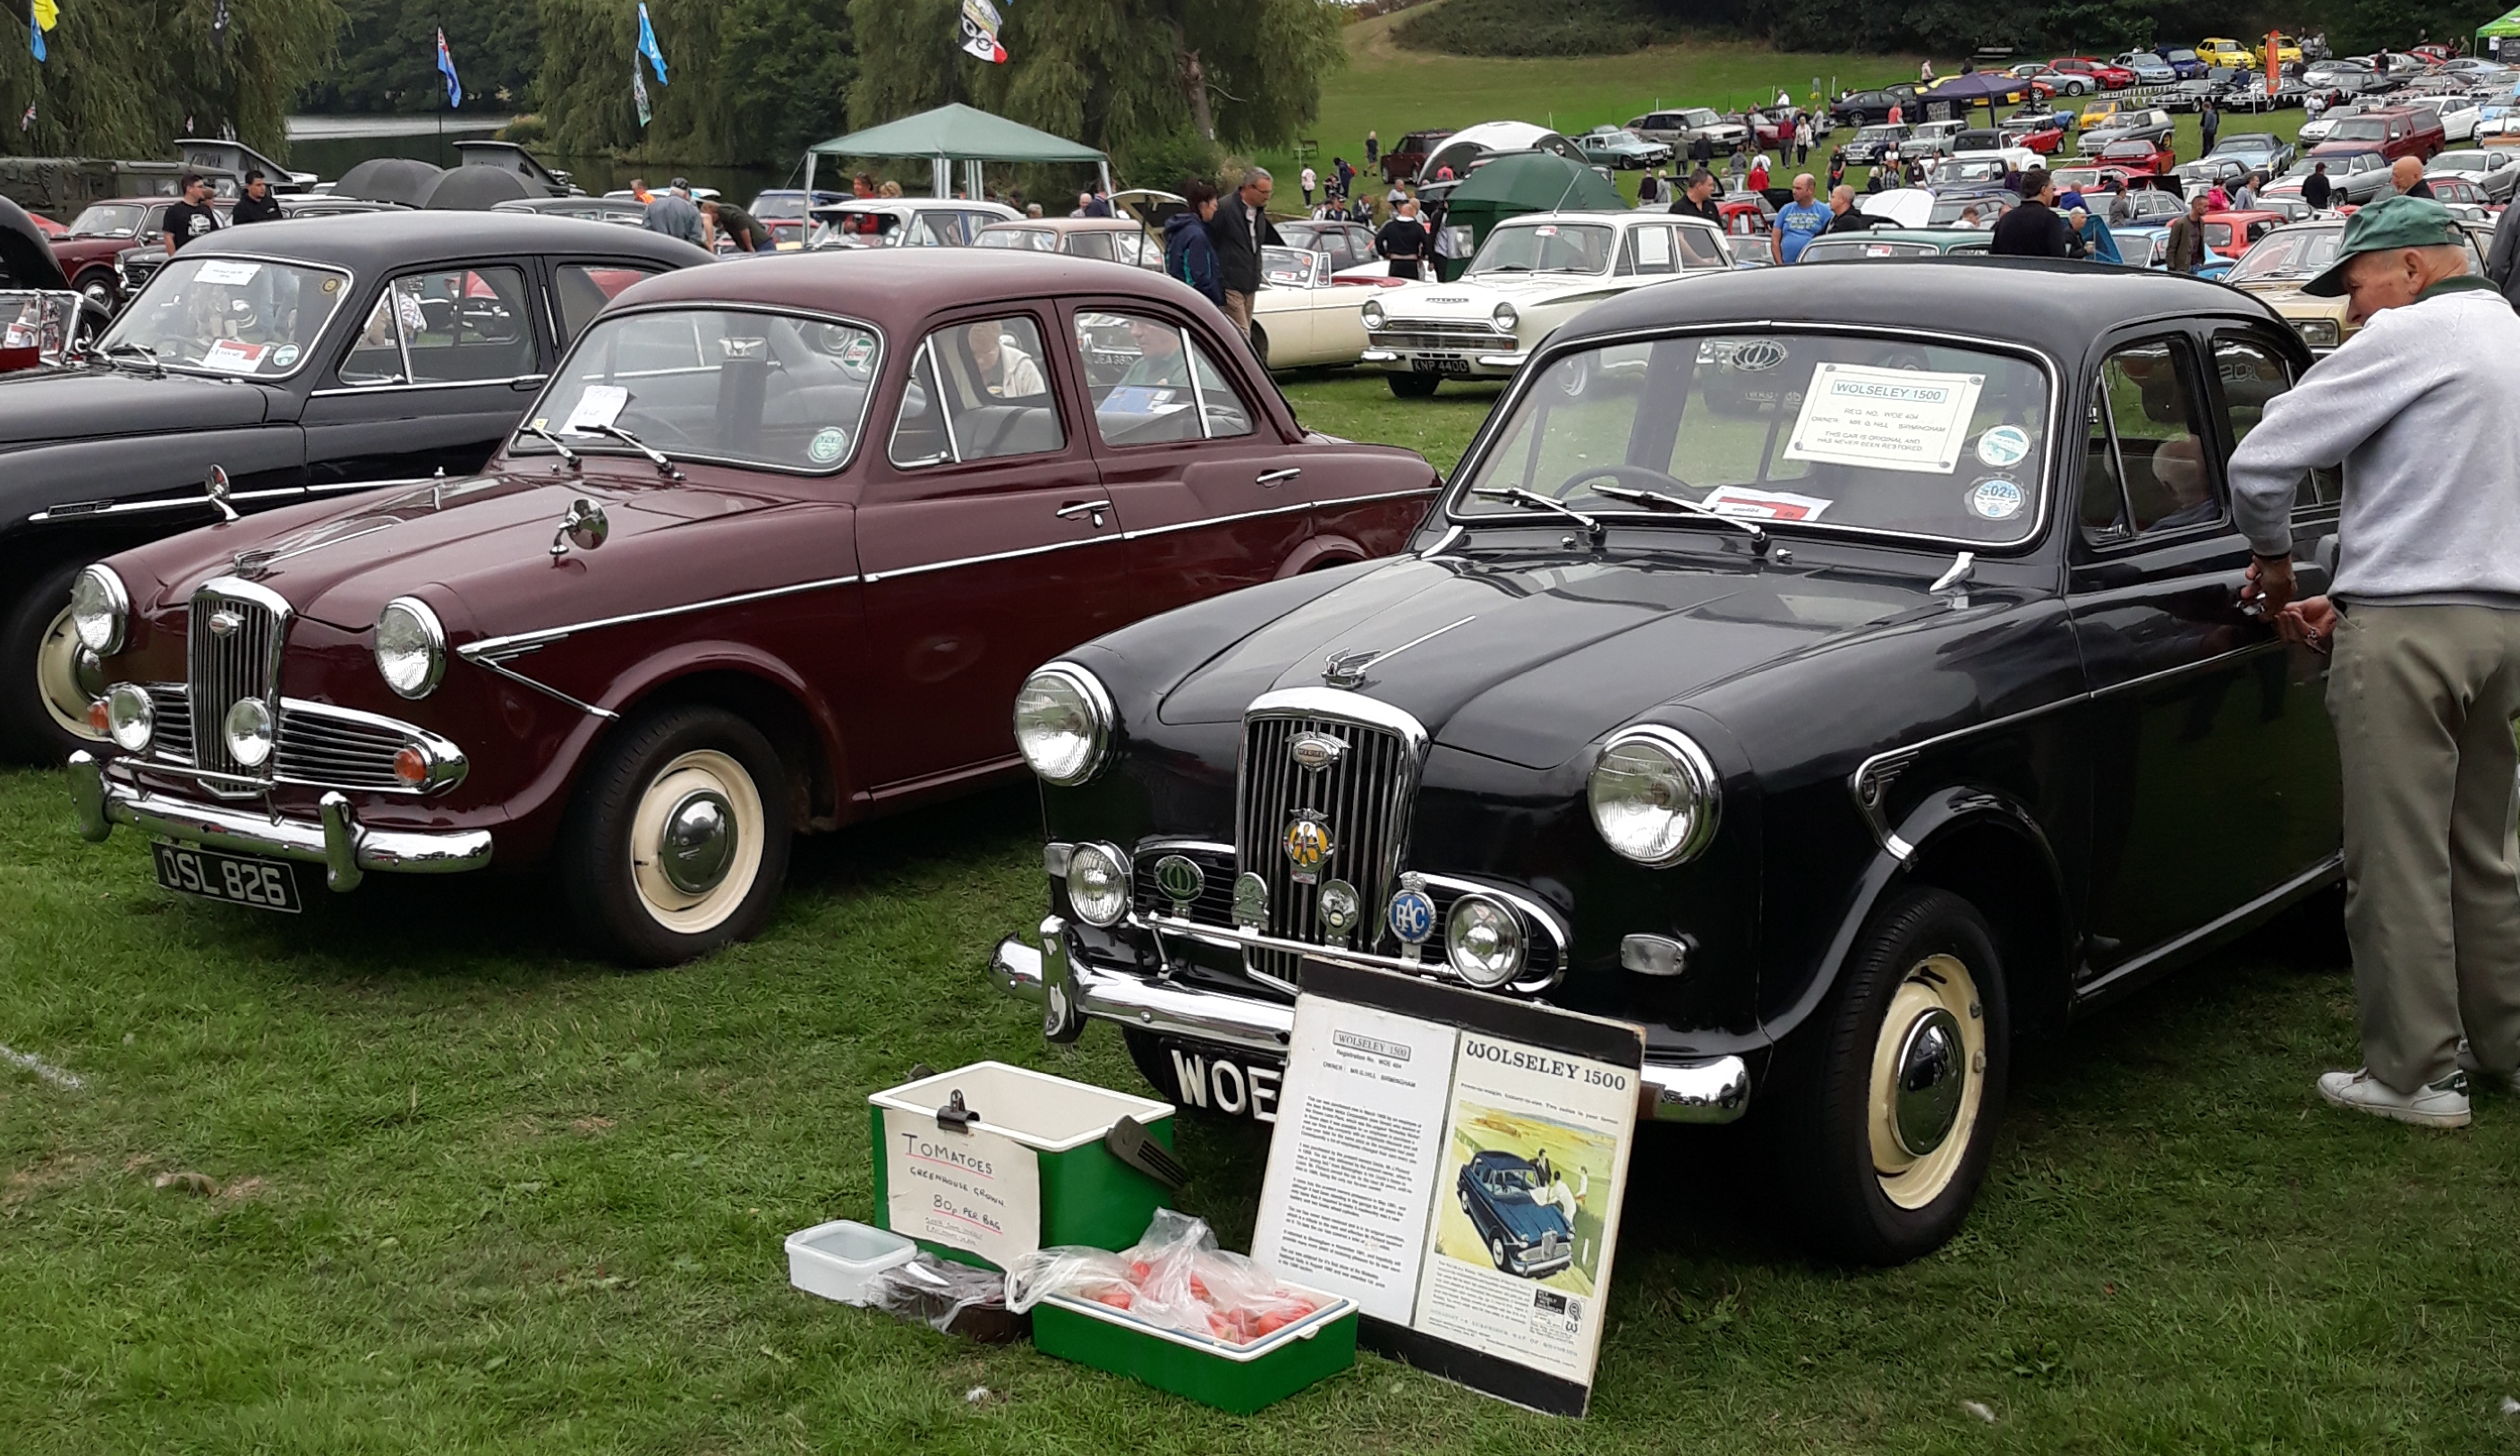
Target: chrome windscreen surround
[235,637]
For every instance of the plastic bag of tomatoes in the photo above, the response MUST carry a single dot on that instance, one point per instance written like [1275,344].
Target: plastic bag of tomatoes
[1175,1277]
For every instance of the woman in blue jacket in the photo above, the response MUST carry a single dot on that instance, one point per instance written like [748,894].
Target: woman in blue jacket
[1189,256]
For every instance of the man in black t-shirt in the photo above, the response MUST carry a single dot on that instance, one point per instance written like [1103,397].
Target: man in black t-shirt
[1697,199]
[724,219]
[193,217]
[1403,241]
[2033,229]
[258,205]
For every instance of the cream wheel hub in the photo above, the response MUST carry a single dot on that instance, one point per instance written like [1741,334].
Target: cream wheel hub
[62,666]
[1927,1081]
[695,841]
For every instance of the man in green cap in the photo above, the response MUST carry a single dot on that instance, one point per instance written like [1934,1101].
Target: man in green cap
[2423,618]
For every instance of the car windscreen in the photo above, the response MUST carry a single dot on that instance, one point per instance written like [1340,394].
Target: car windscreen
[1038,239]
[248,318]
[764,389]
[1833,250]
[2289,252]
[2461,161]
[1948,209]
[1547,248]
[1830,431]
[2360,129]
[110,220]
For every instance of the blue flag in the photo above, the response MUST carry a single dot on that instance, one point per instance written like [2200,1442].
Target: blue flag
[648,46]
[35,31]
[446,69]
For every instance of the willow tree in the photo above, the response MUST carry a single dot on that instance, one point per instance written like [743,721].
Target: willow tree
[752,81]
[1125,76]
[125,78]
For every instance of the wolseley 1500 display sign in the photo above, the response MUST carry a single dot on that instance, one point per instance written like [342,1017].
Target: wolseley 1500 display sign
[1454,1162]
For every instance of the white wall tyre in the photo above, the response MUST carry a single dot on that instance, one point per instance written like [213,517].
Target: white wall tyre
[1497,1255]
[676,842]
[1891,1097]
[43,703]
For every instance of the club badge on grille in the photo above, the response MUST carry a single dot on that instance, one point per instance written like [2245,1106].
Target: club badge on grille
[1315,751]
[1307,841]
[1410,917]
[1250,901]
[1341,907]
[1181,880]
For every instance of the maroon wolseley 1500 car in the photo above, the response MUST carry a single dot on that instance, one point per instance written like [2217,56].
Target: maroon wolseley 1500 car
[772,553]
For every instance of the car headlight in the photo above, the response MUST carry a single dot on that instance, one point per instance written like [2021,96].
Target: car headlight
[2317,332]
[1483,941]
[129,718]
[1063,721]
[249,732]
[99,609]
[1372,313]
[411,647]
[1504,317]
[1655,797]
[1098,884]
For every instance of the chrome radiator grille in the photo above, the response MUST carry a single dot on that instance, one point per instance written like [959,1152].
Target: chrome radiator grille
[172,708]
[1362,800]
[1422,334]
[338,752]
[235,638]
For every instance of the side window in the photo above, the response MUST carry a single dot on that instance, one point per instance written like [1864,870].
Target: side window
[1153,384]
[2251,375]
[1702,248]
[2146,470]
[583,289]
[936,229]
[455,326]
[1090,244]
[376,356]
[1648,252]
[978,391]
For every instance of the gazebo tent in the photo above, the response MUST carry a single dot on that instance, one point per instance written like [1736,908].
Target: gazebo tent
[952,133]
[2501,38]
[1977,88]
[1519,183]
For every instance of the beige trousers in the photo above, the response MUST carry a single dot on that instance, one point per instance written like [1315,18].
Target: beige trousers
[1238,307]
[2423,700]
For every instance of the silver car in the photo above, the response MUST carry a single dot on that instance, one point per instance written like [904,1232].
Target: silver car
[2496,170]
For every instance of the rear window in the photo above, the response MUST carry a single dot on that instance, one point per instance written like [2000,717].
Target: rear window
[2360,129]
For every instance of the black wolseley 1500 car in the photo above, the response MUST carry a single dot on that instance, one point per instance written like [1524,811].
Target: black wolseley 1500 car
[1834,686]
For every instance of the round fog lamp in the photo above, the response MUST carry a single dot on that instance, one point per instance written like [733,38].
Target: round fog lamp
[249,732]
[1483,941]
[1098,884]
[129,718]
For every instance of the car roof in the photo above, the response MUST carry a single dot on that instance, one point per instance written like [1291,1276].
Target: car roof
[899,287]
[1952,236]
[2056,305]
[1072,224]
[392,240]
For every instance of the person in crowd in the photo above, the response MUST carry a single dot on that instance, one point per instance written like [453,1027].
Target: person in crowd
[673,214]
[1404,241]
[1308,179]
[1190,253]
[2032,229]
[2422,623]
[258,205]
[2099,245]
[1701,151]
[2216,198]
[1736,168]
[1005,371]
[1888,163]
[1843,217]
[2314,106]
[2316,189]
[1926,72]
[1836,167]
[720,218]
[1239,229]
[1160,360]
[1798,222]
[1697,199]
[1802,140]
[2208,125]
[192,216]
[1032,209]
[1874,181]
[2244,196]
[2121,209]
[1649,188]
[2406,174]
[1897,112]
[1373,148]
[1757,179]
[2502,256]
[640,193]
[1970,217]
[891,189]
[2187,237]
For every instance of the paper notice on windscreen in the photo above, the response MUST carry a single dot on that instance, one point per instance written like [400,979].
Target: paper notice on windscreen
[234,356]
[599,406]
[226,270]
[1764,505]
[1885,419]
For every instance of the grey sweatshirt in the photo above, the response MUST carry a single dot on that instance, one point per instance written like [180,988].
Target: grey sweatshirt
[2420,409]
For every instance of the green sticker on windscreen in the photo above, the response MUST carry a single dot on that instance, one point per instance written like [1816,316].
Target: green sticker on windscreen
[827,446]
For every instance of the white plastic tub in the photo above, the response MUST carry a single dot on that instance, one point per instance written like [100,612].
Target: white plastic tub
[838,1260]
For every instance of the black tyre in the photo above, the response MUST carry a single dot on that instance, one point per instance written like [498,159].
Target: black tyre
[1414,386]
[1892,1098]
[676,842]
[43,701]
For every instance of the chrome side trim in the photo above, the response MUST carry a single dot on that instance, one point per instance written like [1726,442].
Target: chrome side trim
[2330,868]
[518,644]
[492,664]
[91,510]
[922,568]
[401,387]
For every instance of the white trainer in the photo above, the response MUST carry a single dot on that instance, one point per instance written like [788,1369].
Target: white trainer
[2468,1064]
[2443,1104]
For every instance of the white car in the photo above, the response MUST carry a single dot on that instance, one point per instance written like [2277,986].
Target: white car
[2493,170]
[905,222]
[2458,114]
[1980,168]
[1532,274]
[1303,317]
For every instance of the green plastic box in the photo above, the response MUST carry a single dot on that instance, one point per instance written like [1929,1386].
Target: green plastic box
[1088,1195]
[1238,1378]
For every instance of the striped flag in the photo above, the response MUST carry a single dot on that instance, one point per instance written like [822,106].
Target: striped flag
[446,69]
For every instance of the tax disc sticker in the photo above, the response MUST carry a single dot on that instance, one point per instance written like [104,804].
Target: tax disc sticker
[2004,444]
[1994,498]
[827,446]
[332,284]
[284,356]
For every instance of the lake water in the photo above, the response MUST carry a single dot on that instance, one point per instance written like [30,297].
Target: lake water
[329,145]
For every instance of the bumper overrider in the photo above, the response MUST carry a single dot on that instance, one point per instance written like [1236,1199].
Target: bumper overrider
[1070,989]
[335,839]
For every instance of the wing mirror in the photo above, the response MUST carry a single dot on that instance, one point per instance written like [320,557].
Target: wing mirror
[583,526]
[214,490]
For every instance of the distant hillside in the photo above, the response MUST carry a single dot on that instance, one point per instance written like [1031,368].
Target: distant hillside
[1537,27]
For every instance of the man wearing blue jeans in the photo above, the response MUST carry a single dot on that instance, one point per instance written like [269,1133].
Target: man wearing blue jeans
[1798,222]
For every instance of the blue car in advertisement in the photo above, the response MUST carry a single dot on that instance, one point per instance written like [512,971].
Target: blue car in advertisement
[1524,1236]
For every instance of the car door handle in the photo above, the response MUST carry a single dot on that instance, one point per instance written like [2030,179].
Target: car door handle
[525,382]
[1074,509]
[1276,476]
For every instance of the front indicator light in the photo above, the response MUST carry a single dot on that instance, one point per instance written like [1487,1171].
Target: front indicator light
[411,766]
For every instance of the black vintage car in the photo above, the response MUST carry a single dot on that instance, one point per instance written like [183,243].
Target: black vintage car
[1834,686]
[269,364]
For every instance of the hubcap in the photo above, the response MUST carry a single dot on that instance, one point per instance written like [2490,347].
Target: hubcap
[1928,1077]
[62,667]
[1931,1079]
[698,842]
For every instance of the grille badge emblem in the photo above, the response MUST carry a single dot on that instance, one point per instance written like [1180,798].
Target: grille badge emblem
[1410,915]
[1342,907]
[1181,880]
[1250,901]
[1315,751]
[224,623]
[1307,843]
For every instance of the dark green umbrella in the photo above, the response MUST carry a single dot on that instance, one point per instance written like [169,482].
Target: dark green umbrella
[1519,183]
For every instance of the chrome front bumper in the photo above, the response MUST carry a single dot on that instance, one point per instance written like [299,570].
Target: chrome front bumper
[337,840]
[1492,364]
[1069,991]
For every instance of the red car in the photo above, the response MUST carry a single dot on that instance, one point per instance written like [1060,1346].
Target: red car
[2137,157]
[771,554]
[2043,140]
[2232,233]
[1746,215]
[2111,78]
[87,248]
[2393,132]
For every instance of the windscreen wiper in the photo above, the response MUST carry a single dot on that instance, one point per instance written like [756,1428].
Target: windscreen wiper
[1659,501]
[553,440]
[1515,495]
[664,466]
[157,366]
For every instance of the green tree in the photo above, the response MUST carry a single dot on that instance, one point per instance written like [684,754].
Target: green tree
[753,80]
[388,59]
[125,78]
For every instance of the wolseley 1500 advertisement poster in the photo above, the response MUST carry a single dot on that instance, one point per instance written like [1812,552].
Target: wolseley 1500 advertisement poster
[1454,1162]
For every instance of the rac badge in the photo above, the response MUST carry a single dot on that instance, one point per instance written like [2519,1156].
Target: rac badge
[1410,917]
[1307,841]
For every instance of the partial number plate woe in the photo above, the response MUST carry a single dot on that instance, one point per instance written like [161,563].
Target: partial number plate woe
[236,878]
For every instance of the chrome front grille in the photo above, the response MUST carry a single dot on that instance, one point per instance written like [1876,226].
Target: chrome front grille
[1214,905]
[172,710]
[323,747]
[1454,336]
[236,633]
[1363,800]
